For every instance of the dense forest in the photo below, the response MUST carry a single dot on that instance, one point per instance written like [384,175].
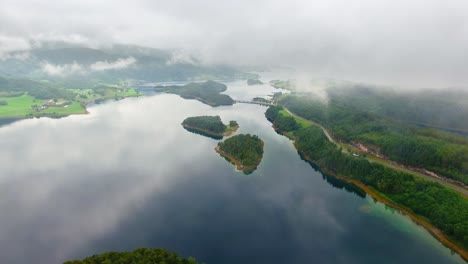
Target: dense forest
[209,125]
[444,208]
[208,92]
[434,150]
[443,108]
[281,122]
[138,256]
[244,148]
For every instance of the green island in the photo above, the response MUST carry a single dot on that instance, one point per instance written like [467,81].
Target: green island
[208,92]
[20,98]
[211,126]
[245,151]
[442,211]
[138,256]
[254,82]
[280,84]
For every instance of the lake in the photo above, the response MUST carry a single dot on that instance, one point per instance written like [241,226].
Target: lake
[128,175]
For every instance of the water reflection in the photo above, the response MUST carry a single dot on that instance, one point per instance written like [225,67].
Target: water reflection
[201,133]
[128,175]
[7,121]
[334,181]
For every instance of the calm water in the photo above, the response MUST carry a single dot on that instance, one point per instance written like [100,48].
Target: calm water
[128,175]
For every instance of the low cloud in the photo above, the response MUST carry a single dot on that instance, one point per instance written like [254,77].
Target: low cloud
[116,65]
[181,57]
[408,43]
[15,56]
[13,47]
[75,68]
[62,69]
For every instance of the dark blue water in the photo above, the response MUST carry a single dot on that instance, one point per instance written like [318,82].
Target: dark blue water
[128,175]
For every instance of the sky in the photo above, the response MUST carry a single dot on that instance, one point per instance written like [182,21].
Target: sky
[409,43]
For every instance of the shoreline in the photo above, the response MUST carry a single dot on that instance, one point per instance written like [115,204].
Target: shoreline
[434,231]
[51,115]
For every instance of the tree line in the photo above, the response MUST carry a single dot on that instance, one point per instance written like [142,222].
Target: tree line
[138,256]
[437,151]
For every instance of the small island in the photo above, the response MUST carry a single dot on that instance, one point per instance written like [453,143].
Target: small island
[210,126]
[208,92]
[141,255]
[244,150]
[280,84]
[254,82]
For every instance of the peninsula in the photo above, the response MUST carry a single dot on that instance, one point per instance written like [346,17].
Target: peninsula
[243,150]
[22,98]
[208,92]
[210,126]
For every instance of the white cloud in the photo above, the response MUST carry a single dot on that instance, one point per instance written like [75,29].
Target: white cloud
[181,57]
[75,68]
[118,64]
[61,70]
[13,47]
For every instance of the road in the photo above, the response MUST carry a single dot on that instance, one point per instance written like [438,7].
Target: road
[386,163]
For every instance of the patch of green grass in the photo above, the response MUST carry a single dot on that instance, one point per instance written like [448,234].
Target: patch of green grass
[303,123]
[18,106]
[22,106]
[127,93]
[74,108]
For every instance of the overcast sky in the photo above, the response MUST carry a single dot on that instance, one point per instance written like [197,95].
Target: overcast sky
[403,42]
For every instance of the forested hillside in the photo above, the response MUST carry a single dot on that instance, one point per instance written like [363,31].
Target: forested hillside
[444,208]
[434,150]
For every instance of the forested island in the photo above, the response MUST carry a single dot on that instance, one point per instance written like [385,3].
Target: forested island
[279,84]
[254,82]
[436,207]
[211,126]
[208,92]
[244,150]
[138,256]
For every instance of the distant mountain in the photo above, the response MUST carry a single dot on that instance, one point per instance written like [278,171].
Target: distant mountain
[59,61]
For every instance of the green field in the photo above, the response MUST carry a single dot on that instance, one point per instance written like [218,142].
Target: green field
[87,95]
[22,106]
[74,108]
[18,106]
